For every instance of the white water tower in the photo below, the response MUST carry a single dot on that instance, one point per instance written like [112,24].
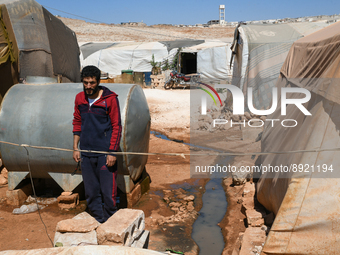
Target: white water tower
[222,14]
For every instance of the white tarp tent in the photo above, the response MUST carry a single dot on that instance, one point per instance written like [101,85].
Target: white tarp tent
[213,58]
[120,56]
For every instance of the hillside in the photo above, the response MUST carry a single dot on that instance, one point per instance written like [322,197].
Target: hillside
[87,32]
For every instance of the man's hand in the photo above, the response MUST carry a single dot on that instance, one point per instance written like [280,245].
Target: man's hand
[76,156]
[110,160]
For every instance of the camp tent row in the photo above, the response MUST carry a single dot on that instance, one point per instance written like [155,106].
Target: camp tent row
[34,43]
[209,58]
[306,204]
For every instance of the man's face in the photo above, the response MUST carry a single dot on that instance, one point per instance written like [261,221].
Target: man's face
[90,85]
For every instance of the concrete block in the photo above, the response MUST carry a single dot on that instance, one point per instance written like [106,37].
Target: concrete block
[142,241]
[122,228]
[18,197]
[252,237]
[75,239]
[68,201]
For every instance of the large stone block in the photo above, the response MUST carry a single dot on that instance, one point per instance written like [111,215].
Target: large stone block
[75,239]
[82,223]
[122,228]
[18,197]
[251,238]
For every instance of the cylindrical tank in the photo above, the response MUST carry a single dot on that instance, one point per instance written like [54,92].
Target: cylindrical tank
[42,115]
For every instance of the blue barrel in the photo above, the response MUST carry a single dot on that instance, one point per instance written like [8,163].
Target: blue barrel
[147,78]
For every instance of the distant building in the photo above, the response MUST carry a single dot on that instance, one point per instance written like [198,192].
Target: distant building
[213,22]
[133,24]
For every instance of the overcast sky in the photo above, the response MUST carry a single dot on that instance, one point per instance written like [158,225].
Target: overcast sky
[189,12]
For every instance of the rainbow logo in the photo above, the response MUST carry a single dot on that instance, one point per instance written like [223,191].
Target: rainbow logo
[213,90]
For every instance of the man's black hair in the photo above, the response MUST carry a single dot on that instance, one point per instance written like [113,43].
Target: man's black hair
[90,71]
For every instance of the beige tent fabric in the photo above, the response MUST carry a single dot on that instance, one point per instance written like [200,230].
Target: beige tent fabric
[313,63]
[307,205]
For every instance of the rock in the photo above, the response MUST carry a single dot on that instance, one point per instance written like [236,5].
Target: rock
[190,208]
[175,204]
[4,173]
[69,201]
[122,228]
[247,204]
[239,178]
[253,216]
[249,190]
[252,237]
[82,223]
[3,180]
[235,118]
[189,198]
[182,196]
[247,115]
[258,223]
[75,239]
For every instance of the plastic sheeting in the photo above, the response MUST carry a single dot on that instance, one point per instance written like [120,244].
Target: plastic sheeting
[306,203]
[213,59]
[135,56]
[260,53]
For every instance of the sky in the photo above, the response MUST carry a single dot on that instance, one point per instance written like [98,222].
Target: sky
[188,12]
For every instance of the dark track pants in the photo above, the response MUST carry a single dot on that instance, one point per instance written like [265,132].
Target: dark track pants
[100,187]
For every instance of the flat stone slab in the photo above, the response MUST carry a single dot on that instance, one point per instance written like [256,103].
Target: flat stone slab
[122,228]
[253,236]
[81,250]
[75,239]
[82,223]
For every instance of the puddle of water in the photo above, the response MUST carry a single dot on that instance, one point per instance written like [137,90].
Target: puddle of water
[206,233]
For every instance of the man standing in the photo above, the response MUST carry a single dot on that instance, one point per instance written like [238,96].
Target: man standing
[97,126]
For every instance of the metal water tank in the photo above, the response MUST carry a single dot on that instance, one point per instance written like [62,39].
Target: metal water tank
[42,115]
